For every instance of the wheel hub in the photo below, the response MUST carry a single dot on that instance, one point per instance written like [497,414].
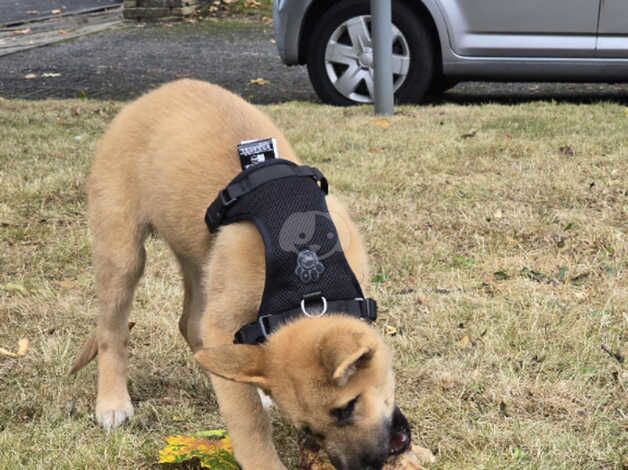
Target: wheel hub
[349,59]
[365,59]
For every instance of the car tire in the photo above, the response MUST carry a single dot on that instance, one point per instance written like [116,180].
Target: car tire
[412,44]
[440,85]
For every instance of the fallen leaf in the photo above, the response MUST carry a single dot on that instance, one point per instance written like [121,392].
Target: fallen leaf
[22,347]
[211,448]
[464,342]
[62,32]
[383,123]
[30,76]
[390,330]
[468,135]
[259,81]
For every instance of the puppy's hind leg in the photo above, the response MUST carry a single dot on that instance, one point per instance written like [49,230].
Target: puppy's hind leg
[118,264]
[193,303]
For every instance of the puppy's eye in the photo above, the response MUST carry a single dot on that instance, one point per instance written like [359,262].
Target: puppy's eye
[344,413]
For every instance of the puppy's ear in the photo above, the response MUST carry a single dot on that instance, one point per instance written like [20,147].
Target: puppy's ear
[342,355]
[240,363]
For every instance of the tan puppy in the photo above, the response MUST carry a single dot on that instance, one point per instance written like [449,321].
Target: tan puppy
[160,164]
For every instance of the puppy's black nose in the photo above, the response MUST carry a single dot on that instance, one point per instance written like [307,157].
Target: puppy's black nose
[374,462]
[400,435]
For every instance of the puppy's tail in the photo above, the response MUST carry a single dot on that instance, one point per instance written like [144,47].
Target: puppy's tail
[88,352]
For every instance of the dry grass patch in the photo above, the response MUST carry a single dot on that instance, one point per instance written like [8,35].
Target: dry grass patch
[498,244]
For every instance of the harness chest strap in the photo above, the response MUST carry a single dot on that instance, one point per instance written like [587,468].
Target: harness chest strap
[306,270]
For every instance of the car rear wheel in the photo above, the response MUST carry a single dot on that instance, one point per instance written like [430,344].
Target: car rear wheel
[340,55]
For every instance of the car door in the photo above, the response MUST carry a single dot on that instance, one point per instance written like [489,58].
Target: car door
[523,28]
[613,30]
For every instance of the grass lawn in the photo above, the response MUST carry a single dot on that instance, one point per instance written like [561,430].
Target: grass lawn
[497,237]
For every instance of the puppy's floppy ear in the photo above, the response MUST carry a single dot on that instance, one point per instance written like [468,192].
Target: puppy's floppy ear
[240,363]
[343,354]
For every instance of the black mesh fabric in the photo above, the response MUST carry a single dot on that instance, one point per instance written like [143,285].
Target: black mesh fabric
[303,252]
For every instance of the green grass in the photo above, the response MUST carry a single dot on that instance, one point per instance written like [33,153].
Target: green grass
[498,259]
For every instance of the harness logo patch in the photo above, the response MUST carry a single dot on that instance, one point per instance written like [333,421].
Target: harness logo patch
[309,268]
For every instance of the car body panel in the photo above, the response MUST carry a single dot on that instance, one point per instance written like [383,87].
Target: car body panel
[514,28]
[473,49]
[612,38]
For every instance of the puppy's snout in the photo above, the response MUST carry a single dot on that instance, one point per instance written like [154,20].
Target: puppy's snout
[374,461]
[400,435]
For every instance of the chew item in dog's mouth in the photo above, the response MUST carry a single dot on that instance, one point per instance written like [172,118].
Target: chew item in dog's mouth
[411,459]
[400,437]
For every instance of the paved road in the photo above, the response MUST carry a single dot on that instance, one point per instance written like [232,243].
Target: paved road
[125,62]
[16,10]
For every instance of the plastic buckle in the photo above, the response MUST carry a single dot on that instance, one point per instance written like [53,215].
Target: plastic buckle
[262,325]
[224,198]
[365,308]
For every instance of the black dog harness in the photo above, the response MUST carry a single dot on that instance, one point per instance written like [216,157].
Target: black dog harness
[306,270]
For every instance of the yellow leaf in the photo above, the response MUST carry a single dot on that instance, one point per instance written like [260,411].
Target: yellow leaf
[259,81]
[22,347]
[464,342]
[390,330]
[381,122]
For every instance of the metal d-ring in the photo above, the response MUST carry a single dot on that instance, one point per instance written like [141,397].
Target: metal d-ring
[319,314]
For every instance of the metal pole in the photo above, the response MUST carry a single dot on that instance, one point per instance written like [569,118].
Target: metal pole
[381,25]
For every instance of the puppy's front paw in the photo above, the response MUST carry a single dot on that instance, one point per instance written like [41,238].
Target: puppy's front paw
[112,413]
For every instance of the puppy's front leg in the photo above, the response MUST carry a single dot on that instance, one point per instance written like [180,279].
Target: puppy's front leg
[241,408]
[248,424]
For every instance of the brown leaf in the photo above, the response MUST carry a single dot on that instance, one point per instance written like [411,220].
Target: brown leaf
[381,122]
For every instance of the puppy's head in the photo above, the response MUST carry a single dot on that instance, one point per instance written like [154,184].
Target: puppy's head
[332,376]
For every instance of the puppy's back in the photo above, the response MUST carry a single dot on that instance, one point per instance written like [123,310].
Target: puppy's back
[167,154]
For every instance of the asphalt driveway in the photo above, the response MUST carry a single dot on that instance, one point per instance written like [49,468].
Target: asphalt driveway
[12,11]
[124,62]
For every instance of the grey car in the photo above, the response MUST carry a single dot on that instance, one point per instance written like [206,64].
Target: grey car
[437,43]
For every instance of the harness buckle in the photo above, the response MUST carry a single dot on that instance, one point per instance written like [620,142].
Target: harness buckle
[317,314]
[226,199]
[261,319]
